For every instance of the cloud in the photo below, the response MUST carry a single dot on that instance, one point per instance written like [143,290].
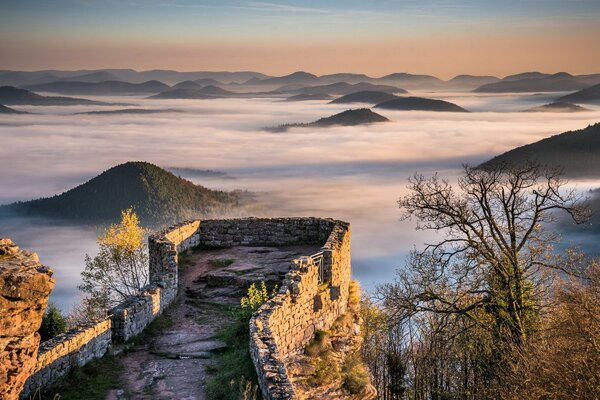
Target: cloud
[350,173]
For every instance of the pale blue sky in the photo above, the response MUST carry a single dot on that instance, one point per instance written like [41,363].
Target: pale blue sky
[228,26]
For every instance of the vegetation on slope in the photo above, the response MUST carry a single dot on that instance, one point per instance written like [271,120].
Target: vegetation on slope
[587,95]
[360,116]
[365,96]
[12,95]
[576,152]
[157,196]
[419,104]
[559,106]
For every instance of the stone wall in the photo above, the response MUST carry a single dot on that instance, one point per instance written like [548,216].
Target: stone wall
[304,304]
[77,347]
[62,353]
[25,285]
[264,231]
[284,325]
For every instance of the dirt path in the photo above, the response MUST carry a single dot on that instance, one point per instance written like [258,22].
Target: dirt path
[173,364]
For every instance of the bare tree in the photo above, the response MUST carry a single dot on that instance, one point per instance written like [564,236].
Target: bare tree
[489,266]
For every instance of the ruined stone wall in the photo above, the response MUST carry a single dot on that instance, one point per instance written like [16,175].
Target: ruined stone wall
[264,231]
[77,347]
[285,324]
[304,304]
[25,285]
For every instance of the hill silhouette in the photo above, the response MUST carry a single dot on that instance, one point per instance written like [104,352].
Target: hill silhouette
[538,82]
[471,81]
[343,88]
[304,97]
[187,85]
[365,96]
[420,104]
[299,77]
[359,116]
[560,106]
[574,151]
[157,196]
[99,88]
[8,110]
[411,81]
[587,95]
[14,96]
[182,94]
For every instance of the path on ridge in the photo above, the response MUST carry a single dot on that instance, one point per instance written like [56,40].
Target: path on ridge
[173,364]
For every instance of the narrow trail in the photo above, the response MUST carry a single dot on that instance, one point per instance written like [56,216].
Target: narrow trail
[174,363]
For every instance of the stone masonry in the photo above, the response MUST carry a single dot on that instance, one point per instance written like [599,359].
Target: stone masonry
[305,303]
[25,285]
[313,294]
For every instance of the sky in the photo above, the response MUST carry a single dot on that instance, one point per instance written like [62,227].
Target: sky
[440,37]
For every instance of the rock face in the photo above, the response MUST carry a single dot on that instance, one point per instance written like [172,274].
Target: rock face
[25,285]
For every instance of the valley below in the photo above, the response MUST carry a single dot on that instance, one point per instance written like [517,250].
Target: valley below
[352,173]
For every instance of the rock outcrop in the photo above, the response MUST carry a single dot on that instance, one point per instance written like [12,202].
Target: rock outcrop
[25,285]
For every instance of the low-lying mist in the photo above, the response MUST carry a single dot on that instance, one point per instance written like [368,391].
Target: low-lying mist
[350,173]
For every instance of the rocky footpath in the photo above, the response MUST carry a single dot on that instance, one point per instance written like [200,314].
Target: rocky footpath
[25,285]
[176,362]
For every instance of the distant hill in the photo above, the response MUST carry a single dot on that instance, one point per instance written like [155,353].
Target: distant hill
[8,110]
[213,90]
[158,197]
[126,111]
[557,107]
[98,76]
[537,82]
[208,81]
[305,97]
[525,75]
[587,95]
[345,77]
[187,85]
[15,96]
[411,81]
[100,88]
[470,81]
[182,94]
[419,104]
[577,152]
[360,116]
[343,88]
[365,96]
[299,77]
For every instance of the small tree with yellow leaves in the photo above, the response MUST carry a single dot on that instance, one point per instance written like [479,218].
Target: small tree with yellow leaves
[120,269]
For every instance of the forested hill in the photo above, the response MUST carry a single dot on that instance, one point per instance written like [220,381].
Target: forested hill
[157,196]
[577,152]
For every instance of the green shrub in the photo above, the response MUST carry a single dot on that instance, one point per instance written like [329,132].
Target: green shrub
[53,323]
[254,298]
[318,345]
[355,374]
[326,370]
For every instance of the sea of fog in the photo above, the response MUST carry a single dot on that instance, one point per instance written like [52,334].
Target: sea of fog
[352,173]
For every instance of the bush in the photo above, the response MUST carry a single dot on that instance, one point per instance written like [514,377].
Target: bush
[353,293]
[53,323]
[255,298]
[356,375]
[318,345]
[327,370]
